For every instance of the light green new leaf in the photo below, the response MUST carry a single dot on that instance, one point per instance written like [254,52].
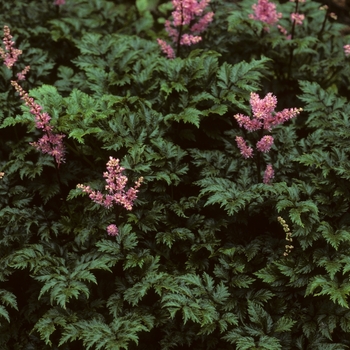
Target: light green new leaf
[284,324]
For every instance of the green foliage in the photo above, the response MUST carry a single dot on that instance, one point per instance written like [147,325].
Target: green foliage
[200,262]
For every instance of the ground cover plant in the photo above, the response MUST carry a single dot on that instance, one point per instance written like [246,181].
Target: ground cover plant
[174,175]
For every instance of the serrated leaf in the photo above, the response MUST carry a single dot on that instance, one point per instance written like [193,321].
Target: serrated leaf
[284,324]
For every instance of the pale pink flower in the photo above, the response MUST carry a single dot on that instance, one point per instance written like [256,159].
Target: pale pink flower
[264,115]
[246,151]
[284,32]
[202,24]
[188,13]
[262,107]
[188,39]
[347,50]
[281,117]
[269,174]
[50,143]
[297,17]
[265,11]
[282,29]
[172,32]
[115,186]
[22,74]
[59,2]
[166,48]
[112,230]
[265,144]
[10,54]
[186,10]
[247,123]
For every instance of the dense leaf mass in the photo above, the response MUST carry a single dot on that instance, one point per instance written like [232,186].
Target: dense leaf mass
[209,254]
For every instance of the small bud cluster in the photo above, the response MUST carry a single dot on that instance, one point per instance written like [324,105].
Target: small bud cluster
[284,31]
[330,14]
[186,13]
[264,117]
[289,239]
[346,50]
[297,18]
[269,174]
[22,75]
[112,230]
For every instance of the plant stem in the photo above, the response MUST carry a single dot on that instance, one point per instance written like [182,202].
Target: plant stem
[258,167]
[180,33]
[258,159]
[323,25]
[61,190]
[291,38]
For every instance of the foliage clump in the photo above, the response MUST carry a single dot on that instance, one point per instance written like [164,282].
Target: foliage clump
[204,251]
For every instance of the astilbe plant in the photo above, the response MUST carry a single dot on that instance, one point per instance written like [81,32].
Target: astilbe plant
[10,54]
[264,118]
[116,193]
[347,50]
[209,259]
[190,15]
[50,143]
[265,11]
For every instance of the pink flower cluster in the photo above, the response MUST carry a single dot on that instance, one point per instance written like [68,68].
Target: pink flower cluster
[186,13]
[264,113]
[297,18]
[265,11]
[112,230]
[166,48]
[284,31]
[10,54]
[346,50]
[59,2]
[22,75]
[50,143]
[265,144]
[246,151]
[264,117]
[269,174]
[115,186]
